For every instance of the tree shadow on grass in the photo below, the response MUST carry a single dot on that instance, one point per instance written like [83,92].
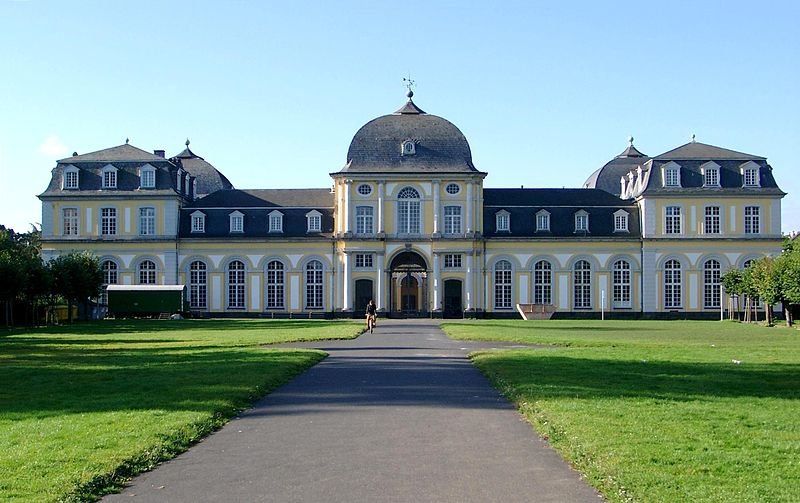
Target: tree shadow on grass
[552,376]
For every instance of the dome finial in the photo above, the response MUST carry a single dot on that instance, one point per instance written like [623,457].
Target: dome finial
[409,85]
[630,140]
[187,142]
[693,137]
[127,140]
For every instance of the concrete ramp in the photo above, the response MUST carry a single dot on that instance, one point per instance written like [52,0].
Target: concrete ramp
[536,311]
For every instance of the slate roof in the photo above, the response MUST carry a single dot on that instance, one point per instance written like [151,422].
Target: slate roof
[607,177]
[440,146]
[256,205]
[127,159]
[120,153]
[209,179]
[562,204]
[692,156]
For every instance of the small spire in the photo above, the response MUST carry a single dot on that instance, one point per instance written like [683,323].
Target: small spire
[409,85]
[187,142]
[127,140]
[630,140]
[693,137]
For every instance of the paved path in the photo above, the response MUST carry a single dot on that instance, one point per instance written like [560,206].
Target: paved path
[399,415]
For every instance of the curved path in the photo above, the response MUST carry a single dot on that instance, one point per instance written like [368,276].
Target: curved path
[399,415]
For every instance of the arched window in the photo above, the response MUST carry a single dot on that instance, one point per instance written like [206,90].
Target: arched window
[314,288]
[711,282]
[582,284]
[621,284]
[236,285]
[672,284]
[147,272]
[275,282]
[198,285]
[502,285]
[408,211]
[110,271]
[542,282]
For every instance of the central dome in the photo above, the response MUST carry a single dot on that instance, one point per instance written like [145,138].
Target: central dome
[409,141]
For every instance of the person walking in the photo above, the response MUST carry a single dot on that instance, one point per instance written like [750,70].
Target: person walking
[371,317]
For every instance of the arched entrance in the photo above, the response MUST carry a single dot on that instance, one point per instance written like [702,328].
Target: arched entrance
[408,292]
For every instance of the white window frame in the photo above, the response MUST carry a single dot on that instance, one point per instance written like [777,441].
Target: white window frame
[147,272]
[237,285]
[276,285]
[315,287]
[582,285]
[543,221]
[712,219]
[147,177]
[365,220]
[409,211]
[581,221]
[71,178]
[198,222]
[673,220]
[621,218]
[364,189]
[108,221]
[70,223]
[275,222]
[408,147]
[198,285]
[365,260]
[621,284]
[542,282]
[752,219]
[712,271]
[751,174]
[313,221]
[671,174]
[452,219]
[147,221]
[503,282]
[453,261]
[236,222]
[452,188]
[502,221]
[711,174]
[109,177]
[673,284]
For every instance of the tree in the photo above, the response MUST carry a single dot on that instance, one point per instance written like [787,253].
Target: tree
[790,281]
[733,283]
[77,277]
[765,277]
[20,267]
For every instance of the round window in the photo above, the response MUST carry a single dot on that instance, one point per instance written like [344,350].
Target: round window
[364,189]
[452,188]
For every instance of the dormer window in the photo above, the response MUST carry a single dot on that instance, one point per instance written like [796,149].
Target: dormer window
[314,221]
[409,147]
[109,177]
[236,220]
[710,171]
[147,177]
[503,221]
[275,221]
[70,180]
[620,221]
[671,174]
[581,221]
[751,174]
[198,221]
[543,221]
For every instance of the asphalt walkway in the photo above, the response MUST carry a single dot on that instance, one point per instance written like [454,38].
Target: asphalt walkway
[399,415]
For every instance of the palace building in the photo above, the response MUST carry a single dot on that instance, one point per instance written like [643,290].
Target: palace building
[409,224]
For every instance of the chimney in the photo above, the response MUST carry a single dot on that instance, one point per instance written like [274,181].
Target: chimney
[159,153]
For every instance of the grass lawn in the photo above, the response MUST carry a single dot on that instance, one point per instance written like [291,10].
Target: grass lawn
[658,411]
[83,407]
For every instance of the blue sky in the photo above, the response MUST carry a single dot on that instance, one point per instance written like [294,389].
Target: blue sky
[271,93]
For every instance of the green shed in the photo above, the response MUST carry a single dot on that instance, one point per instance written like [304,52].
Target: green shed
[145,300]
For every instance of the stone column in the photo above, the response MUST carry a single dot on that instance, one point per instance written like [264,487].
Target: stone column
[468,286]
[469,207]
[346,214]
[381,196]
[338,299]
[436,210]
[379,258]
[437,283]
[347,290]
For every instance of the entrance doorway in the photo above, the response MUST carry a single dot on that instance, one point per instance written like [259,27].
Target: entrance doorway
[452,299]
[408,293]
[363,295]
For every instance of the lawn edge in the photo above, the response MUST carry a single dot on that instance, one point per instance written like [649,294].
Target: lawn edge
[177,442]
